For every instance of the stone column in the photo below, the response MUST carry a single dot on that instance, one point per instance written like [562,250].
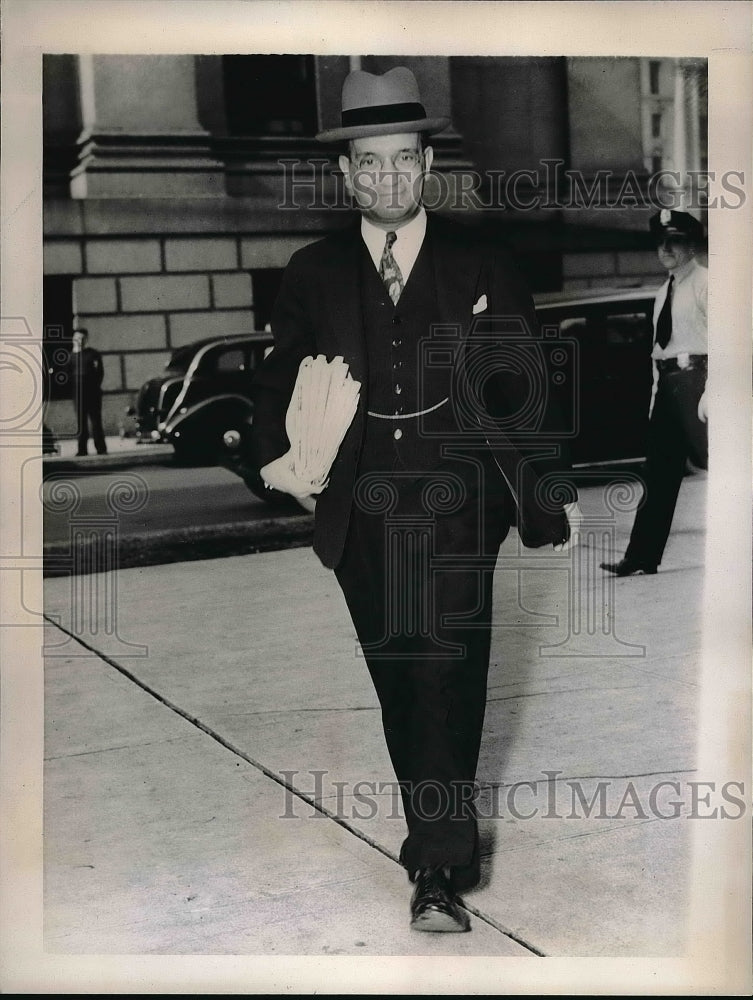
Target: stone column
[687,152]
[61,116]
[141,132]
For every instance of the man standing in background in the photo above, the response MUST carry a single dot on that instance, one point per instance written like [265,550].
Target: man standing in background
[87,373]
[677,430]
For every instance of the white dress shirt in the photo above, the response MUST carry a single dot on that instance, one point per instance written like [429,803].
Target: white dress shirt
[406,247]
[689,312]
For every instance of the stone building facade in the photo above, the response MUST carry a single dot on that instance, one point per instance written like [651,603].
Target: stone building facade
[176,187]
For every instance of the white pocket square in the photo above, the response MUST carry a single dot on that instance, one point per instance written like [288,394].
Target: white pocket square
[480,305]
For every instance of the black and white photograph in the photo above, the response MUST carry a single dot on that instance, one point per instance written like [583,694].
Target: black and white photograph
[377,465]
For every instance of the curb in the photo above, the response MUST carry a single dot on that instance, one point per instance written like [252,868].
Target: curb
[178,545]
[150,455]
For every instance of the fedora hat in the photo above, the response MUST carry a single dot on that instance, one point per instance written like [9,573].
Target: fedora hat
[681,225]
[384,104]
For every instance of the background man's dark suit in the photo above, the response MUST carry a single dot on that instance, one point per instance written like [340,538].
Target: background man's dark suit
[87,373]
[432,687]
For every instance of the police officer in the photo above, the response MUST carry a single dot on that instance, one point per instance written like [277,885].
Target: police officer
[677,428]
[87,373]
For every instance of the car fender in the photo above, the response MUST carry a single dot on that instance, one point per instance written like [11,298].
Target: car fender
[211,413]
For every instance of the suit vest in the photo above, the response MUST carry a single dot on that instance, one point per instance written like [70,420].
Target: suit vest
[403,377]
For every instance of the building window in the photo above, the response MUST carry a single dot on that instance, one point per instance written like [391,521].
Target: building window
[654,69]
[270,95]
[57,307]
[656,125]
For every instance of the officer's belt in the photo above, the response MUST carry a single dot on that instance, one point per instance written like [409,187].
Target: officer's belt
[407,416]
[682,363]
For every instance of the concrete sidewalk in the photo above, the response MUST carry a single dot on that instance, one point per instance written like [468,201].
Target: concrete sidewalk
[204,751]
[120,450]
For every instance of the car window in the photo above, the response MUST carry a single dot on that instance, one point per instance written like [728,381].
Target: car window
[231,361]
[627,328]
[180,361]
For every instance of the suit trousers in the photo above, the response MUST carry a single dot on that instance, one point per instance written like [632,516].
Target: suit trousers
[418,584]
[675,434]
[89,409]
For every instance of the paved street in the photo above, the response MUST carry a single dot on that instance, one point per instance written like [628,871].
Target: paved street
[159,497]
[215,766]
[156,512]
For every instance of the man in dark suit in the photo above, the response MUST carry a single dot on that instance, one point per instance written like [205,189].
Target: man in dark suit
[677,429]
[87,374]
[455,438]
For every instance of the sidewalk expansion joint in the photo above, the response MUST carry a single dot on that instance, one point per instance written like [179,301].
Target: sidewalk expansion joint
[564,778]
[273,776]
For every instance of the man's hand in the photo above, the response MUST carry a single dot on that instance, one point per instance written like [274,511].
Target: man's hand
[702,411]
[308,503]
[280,475]
[574,519]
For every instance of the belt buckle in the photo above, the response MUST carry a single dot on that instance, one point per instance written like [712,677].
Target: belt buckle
[683,360]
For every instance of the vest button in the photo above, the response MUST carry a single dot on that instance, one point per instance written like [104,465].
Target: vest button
[398,390]
[396,320]
[397,434]
[397,342]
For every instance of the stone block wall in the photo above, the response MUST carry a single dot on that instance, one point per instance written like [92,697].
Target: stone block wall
[611,269]
[615,269]
[141,297]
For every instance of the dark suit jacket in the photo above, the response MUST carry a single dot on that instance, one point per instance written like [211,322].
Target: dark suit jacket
[87,370]
[318,311]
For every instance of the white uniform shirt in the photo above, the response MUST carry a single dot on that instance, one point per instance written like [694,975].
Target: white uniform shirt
[689,311]
[406,247]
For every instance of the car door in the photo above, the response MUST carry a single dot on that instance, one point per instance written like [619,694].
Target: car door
[624,332]
[225,371]
[609,377]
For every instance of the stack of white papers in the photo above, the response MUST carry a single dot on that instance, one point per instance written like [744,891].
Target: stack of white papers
[321,409]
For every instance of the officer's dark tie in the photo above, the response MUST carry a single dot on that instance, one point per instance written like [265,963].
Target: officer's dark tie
[389,271]
[664,322]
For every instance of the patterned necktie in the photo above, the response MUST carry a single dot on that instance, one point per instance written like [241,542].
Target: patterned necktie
[664,322]
[389,272]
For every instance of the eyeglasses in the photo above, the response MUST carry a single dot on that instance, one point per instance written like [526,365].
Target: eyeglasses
[405,159]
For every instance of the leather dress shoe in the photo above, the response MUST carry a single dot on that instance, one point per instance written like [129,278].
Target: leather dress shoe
[433,906]
[627,567]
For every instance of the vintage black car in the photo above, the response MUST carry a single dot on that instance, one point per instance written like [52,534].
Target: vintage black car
[598,342]
[203,392]
[607,372]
